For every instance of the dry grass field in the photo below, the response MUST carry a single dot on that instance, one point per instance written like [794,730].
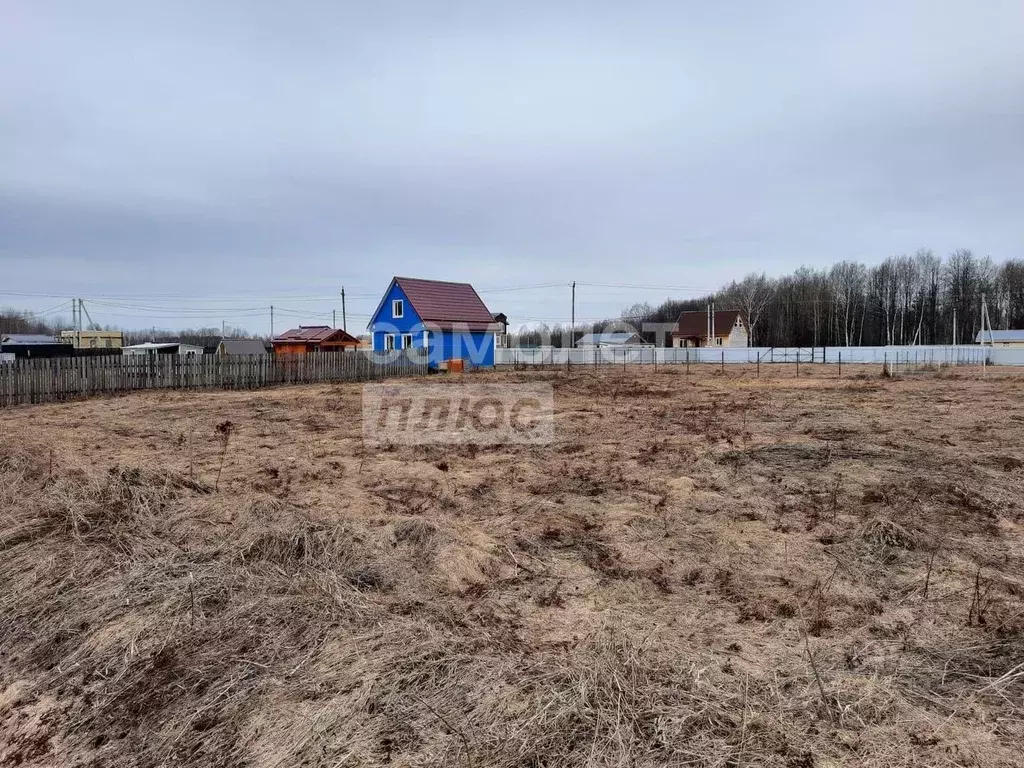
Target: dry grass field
[702,570]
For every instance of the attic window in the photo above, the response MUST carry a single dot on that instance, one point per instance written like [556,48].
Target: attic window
[397,308]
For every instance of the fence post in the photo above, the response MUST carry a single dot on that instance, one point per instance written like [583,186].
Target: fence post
[840,364]
[723,362]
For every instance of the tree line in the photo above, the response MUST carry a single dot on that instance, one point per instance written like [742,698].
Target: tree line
[906,299]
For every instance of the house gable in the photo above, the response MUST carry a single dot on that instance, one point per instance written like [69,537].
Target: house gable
[385,319]
[404,331]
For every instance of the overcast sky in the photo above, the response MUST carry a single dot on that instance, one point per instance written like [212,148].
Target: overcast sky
[223,155]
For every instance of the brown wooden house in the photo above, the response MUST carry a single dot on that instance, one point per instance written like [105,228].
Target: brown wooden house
[309,339]
[723,328]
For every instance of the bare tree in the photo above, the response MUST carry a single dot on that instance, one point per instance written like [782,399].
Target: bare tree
[848,283]
[751,295]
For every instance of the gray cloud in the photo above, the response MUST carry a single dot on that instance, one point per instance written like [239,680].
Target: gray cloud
[176,149]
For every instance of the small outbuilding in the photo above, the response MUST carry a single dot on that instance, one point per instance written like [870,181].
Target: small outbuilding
[611,339]
[162,348]
[34,346]
[93,339]
[1001,338]
[241,347]
[309,339]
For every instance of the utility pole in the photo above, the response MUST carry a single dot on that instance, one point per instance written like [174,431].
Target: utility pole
[81,306]
[954,326]
[334,318]
[271,322]
[982,319]
[344,320]
[711,341]
[572,331]
[985,319]
[223,328]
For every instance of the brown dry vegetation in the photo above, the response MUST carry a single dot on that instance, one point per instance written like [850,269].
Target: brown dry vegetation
[704,570]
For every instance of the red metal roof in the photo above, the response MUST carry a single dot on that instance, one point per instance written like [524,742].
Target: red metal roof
[315,334]
[441,303]
[692,325]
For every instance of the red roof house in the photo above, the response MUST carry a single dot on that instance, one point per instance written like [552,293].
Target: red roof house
[313,338]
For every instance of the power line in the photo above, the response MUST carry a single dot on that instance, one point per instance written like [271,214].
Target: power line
[687,288]
[523,288]
[187,297]
[58,308]
[147,306]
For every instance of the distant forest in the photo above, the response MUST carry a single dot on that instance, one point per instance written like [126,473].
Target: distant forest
[903,300]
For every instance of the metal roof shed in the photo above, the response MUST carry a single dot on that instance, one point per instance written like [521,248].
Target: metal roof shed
[241,347]
[612,339]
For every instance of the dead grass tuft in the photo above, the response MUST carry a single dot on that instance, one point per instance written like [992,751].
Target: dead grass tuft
[885,534]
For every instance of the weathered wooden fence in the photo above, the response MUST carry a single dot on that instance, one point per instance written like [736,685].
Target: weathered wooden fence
[50,380]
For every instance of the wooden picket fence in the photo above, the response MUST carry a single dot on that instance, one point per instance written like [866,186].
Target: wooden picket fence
[56,379]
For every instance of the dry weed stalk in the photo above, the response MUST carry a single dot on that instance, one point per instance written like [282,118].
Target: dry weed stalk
[224,429]
[981,599]
[826,705]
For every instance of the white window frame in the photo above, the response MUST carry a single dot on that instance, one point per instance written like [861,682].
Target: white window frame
[397,308]
[718,341]
[389,342]
[406,341]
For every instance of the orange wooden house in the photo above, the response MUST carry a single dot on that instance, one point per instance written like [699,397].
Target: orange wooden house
[309,339]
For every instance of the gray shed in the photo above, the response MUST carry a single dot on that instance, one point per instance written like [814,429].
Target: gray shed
[241,347]
[614,339]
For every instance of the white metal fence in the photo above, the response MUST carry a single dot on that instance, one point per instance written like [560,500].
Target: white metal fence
[918,355]
[1005,356]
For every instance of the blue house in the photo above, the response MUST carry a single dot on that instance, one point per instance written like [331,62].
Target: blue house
[448,319]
